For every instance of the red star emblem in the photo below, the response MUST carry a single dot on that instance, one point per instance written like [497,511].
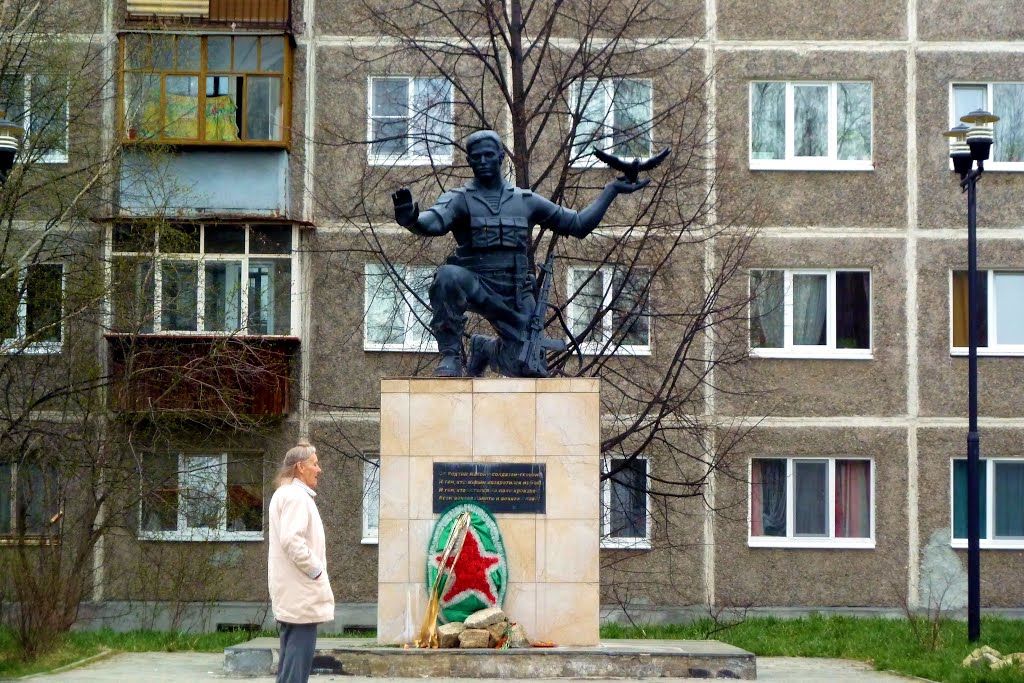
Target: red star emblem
[471,570]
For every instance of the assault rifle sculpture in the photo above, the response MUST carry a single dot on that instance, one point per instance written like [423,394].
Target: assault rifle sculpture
[489,273]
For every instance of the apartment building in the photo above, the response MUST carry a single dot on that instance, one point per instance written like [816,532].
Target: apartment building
[260,141]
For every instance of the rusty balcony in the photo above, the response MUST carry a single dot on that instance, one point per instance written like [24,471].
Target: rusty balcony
[202,375]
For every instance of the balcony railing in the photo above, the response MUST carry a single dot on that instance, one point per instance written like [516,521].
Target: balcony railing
[240,13]
[201,375]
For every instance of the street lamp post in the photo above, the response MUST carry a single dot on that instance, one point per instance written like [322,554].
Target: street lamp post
[970,143]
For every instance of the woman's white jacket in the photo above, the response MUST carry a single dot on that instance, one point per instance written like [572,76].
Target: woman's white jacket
[300,592]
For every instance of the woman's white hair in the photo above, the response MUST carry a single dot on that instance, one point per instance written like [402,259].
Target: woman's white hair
[302,451]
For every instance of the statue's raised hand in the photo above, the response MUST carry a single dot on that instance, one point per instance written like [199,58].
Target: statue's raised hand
[406,210]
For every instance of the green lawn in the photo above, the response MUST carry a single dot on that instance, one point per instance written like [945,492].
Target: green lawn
[887,644]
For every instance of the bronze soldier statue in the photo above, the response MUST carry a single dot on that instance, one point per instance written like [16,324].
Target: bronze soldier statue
[489,273]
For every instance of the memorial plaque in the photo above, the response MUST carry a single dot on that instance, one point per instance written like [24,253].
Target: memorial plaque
[499,487]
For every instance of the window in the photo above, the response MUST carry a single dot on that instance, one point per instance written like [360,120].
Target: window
[1005,100]
[810,313]
[1000,322]
[396,304]
[231,279]
[29,501]
[609,310]
[31,309]
[410,121]
[217,89]
[811,503]
[614,116]
[810,126]
[371,498]
[39,103]
[202,497]
[625,504]
[1001,504]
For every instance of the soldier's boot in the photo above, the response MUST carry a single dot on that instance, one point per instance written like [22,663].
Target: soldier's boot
[450,366]
[481,351]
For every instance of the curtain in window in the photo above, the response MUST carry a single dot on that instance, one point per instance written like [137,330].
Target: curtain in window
[1009,485]
[768,498]
[767,312]
[1008,105]
[810,304]
[768,121]
[960,308]
[853,499]
[960,498]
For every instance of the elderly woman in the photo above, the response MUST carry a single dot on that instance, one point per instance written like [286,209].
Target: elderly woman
[300,591]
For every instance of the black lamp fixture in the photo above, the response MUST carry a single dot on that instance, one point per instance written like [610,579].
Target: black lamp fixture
[10,142]
[970,143]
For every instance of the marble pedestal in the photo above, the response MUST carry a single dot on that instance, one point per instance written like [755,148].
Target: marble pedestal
[553,586]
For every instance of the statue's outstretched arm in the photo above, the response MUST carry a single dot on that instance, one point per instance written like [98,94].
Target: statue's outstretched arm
[580,224]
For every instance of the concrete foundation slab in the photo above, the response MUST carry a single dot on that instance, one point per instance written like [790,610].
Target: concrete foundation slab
[609,659]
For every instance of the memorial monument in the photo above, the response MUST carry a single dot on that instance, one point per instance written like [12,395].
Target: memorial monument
[520,454]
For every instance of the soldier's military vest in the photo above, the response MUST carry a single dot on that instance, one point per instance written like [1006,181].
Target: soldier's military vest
[508,229]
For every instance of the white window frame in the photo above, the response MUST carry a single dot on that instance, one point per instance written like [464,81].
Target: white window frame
[407,159]
[46,155]
[988,543]
[792,541]
[604,346]
[371,471]
[183,533]
[829,350]
[607,88]
[994,348]
[428,344]
[791,162]
[9,535]
[626,542]
[17,343]
[990,165]
[202,258]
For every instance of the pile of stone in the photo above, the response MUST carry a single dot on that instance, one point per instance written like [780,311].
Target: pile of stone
[986,656]
[486,628]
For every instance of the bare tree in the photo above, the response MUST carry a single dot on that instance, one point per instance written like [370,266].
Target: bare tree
[650,302]
[88,397]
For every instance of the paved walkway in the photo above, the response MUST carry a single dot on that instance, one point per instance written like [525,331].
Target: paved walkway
[187,667]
